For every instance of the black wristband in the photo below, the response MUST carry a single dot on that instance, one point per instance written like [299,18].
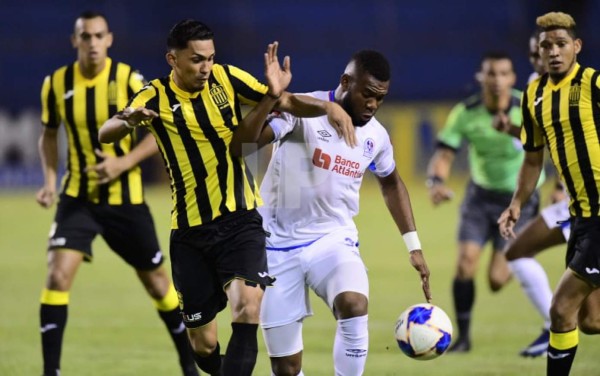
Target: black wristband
[433,180]
[276,97]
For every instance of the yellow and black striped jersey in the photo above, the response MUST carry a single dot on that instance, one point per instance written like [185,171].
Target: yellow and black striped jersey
[565,117]
[83,105]
[193,132]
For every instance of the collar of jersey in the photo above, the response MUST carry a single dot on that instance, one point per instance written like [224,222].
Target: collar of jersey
[93,81]
[180,92]
[566,80]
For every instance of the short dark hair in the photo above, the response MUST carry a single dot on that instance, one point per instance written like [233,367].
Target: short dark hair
[495,55]
[185,31]
[90,14]
[372,62]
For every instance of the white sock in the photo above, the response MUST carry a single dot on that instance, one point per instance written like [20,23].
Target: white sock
[351,346]
[534,283]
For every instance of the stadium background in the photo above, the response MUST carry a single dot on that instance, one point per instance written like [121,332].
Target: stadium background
[434,48]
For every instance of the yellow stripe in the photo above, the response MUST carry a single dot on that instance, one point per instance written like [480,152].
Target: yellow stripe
[54,297]
[169,302]
[564,341]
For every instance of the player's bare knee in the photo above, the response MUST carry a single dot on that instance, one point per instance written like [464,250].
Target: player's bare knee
[350,304]
[246,311]
[562,317]
[202,346]
[285,366]
[58,280]
[156,282]
[589,325]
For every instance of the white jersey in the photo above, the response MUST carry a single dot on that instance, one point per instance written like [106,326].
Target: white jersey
[312,184]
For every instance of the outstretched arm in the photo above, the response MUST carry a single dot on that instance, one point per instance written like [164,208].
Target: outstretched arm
[526,183]
[397,201]
[122,123]
[250,128]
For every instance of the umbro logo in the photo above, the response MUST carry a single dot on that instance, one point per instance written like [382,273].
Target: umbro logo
[557,356]
[175,107]
[592,271]
[324,135]
[537,101]
[69,94]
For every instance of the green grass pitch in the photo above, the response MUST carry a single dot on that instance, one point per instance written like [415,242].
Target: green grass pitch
[114,330]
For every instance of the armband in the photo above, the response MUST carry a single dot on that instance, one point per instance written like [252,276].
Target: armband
[411,239]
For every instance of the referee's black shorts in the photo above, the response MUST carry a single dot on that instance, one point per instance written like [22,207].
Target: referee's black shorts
[206,258]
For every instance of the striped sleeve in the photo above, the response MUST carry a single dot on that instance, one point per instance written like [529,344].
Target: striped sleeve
[143,96]
[50,115]
[247,88]
[531,135]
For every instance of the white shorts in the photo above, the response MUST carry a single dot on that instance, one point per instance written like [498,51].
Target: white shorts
[557,215]
[329,266]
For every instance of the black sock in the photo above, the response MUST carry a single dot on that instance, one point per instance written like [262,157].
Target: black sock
[174,324]
[464,297]
[53,319]
[240,357]
[560,360]
[210,364]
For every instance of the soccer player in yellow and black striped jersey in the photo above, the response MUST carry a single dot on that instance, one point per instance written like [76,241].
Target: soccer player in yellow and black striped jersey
[102,187]
[561,111]
[217,240]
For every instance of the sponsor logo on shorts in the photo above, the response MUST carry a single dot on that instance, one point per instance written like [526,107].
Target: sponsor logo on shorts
[557,356]
[192,317]
[592,271]
[263,274]
[356,353]
[48,327]
[58,242]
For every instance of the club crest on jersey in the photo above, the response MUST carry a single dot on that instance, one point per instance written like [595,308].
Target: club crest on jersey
[574,95]
[368,148]
[219,96]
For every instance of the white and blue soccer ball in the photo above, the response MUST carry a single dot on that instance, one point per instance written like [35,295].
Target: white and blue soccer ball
[423,331]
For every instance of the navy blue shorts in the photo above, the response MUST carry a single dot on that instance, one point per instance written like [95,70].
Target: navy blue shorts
[206,258]
[479,213]
[127,229]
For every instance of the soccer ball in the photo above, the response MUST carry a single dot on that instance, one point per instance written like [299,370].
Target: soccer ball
[423,331]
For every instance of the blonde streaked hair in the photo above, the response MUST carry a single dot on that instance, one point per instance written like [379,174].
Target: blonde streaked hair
[556,20]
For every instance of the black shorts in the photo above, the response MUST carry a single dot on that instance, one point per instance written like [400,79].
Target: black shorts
[583,251]
[127,229]
[204,259]
[480,210]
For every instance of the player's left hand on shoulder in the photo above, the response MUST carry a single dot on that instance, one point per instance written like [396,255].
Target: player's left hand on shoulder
[342,123]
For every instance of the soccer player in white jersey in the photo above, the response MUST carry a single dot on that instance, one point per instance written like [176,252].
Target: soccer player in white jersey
[311,194]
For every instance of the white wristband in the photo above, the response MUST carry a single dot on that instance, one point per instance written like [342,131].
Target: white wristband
[127,125]
[411,239]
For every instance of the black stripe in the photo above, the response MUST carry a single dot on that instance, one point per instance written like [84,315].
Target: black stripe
[193,154]
[219,148]
[92,126]
[539,95]
[581,148]
[251,182]
[171,165]
[70,122]
[240,87]
[51,105]
[112,109]
[560,149]
[238,176]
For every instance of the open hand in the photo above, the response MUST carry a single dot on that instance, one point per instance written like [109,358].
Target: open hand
[278,78]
